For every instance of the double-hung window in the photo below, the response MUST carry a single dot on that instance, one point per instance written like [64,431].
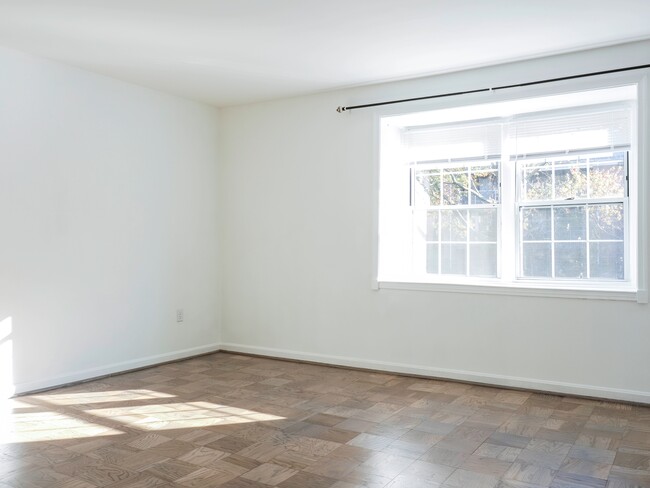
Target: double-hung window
[455,196]
[533,193]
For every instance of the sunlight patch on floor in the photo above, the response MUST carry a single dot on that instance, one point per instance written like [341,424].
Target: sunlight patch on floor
[181,415]
[48,426]
[101,397]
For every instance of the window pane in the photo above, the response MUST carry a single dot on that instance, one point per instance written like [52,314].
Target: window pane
[570,223]
[607,176]
[536,224]
[427,188]
[454,225]
[570,179]
[606,260]
[483,225]
[538,181]
[483,260]
[537,260]
[432,258]
[432,225]
[606,222]
[570,259]
[485,185]
[455,186]
[454,259]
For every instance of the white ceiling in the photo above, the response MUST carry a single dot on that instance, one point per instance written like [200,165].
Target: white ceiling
[227,52]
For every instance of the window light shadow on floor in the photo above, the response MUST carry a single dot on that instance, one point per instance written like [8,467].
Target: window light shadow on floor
[182,415]
[62,416]
[47,426]
[85,398]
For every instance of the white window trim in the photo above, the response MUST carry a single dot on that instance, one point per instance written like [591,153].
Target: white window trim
[639,175]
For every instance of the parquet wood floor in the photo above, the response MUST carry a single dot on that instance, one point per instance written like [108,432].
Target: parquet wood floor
[232,421]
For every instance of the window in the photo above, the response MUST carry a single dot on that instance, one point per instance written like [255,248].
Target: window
[572,216]
[457,203]
[532,192]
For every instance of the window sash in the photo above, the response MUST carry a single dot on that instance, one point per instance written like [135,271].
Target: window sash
[587,241]
[470,241]
[554,203]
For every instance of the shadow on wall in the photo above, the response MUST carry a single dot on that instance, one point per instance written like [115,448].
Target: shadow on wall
[7,387]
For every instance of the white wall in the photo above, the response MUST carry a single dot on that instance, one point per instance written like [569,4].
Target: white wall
[114,213]
[297,197]
[108,224]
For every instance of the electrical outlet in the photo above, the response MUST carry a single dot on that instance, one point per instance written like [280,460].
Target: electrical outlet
[180,315]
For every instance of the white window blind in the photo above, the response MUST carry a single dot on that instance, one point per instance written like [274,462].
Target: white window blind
[453,142]
[580,129]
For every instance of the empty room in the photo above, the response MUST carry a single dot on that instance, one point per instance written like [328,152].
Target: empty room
[324,244]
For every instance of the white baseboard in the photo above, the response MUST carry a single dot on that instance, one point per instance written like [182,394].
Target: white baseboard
[123,366]
[453,374]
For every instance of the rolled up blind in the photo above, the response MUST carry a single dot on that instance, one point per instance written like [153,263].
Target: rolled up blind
[453,142]
[571,130]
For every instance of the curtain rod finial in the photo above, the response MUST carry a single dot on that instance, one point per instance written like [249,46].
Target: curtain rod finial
[341,109]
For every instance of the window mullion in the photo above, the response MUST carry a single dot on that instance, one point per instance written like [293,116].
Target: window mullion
[509,227]
[553,237]
[587,238]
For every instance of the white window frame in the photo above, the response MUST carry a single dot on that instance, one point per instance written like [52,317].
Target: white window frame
[464,207]
[637,211]
[630,249]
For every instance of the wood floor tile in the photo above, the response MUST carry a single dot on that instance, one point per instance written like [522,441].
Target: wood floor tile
[327,420]
[270,474]
[626,483]
[370,441]
[303,480]
[239,462]
[462,478]
[410,480]
[448,457]
[296,460]
[356,425]
[502,453]
[231,421]
[430,472]
[202,477]
[486,465]
[203,456]
[138,481]
[325,433]
[230,444]
[77,483]
[632,458]
[570,480]
[105,474]
[530,473]
[171,469]
[596,455]
[367,479]
[333,467]
[243,483]
[148,441]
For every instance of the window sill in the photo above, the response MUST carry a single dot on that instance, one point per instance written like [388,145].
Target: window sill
[521,289]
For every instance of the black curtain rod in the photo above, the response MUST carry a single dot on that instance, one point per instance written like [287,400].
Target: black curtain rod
[503,87]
